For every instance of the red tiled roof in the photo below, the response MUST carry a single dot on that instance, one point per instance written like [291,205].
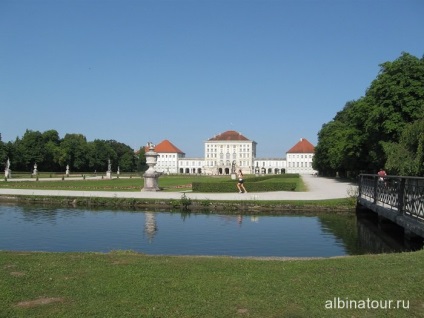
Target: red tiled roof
[229,135]
[303,146]
[167,147]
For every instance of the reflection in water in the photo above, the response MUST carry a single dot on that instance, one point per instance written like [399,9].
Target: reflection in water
[254,219]
[150,227]
[383,237]
[363,234]
[39,228]
[344,229]
[238,218]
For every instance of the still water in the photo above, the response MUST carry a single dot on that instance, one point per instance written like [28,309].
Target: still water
[37,228]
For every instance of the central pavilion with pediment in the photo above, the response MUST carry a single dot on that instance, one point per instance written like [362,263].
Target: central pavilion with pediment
[228,149]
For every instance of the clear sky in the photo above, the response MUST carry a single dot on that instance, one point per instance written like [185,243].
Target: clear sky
[138,71]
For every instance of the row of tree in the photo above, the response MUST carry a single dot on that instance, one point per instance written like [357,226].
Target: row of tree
[52,153]
[383,129]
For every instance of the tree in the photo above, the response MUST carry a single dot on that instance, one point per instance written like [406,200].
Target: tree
[396,98]
[125,155]
[52,151]
[341,142]
[73,150]
[360,137]
[99,154]
[406,157]
[141,159]
[29,150]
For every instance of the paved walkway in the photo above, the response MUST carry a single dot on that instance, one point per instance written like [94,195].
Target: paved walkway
[318,189]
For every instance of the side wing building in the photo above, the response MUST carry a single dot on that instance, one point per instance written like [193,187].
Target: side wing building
[299,158]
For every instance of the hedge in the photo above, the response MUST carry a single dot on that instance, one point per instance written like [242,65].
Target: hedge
[287,182]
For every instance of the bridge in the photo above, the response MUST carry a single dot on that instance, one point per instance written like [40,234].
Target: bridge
[398,199]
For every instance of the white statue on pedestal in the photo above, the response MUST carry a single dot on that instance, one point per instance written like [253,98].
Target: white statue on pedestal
[151,175]
[7,171]
[109,170]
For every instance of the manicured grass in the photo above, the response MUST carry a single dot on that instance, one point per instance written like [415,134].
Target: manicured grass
[126,284]
[174,183]
[78,185]
[167,183]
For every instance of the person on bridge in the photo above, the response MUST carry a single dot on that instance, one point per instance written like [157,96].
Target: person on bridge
[381,174]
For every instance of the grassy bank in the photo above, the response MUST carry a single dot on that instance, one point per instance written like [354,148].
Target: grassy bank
[126,284]
[185,204]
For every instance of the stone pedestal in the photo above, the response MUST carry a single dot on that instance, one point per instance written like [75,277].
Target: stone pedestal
[108,174]
[151,175]
[151,181]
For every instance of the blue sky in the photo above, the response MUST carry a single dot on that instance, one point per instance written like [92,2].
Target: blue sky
[138,71]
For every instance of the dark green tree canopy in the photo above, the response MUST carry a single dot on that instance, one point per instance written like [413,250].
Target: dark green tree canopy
[406,157]
[366,134]
[52,153]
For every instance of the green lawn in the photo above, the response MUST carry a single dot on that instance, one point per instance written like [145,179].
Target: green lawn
[135,183]
[122,184]
[126,284]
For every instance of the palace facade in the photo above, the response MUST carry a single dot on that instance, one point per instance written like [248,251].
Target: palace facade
[231,151]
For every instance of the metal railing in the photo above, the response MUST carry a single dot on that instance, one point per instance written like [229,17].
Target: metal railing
[402,194]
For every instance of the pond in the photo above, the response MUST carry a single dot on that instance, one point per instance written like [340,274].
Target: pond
[40,228]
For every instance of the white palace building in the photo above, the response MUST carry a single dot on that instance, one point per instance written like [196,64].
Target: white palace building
[231,150]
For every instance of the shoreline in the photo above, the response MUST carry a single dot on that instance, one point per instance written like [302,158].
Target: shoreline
[187,205]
